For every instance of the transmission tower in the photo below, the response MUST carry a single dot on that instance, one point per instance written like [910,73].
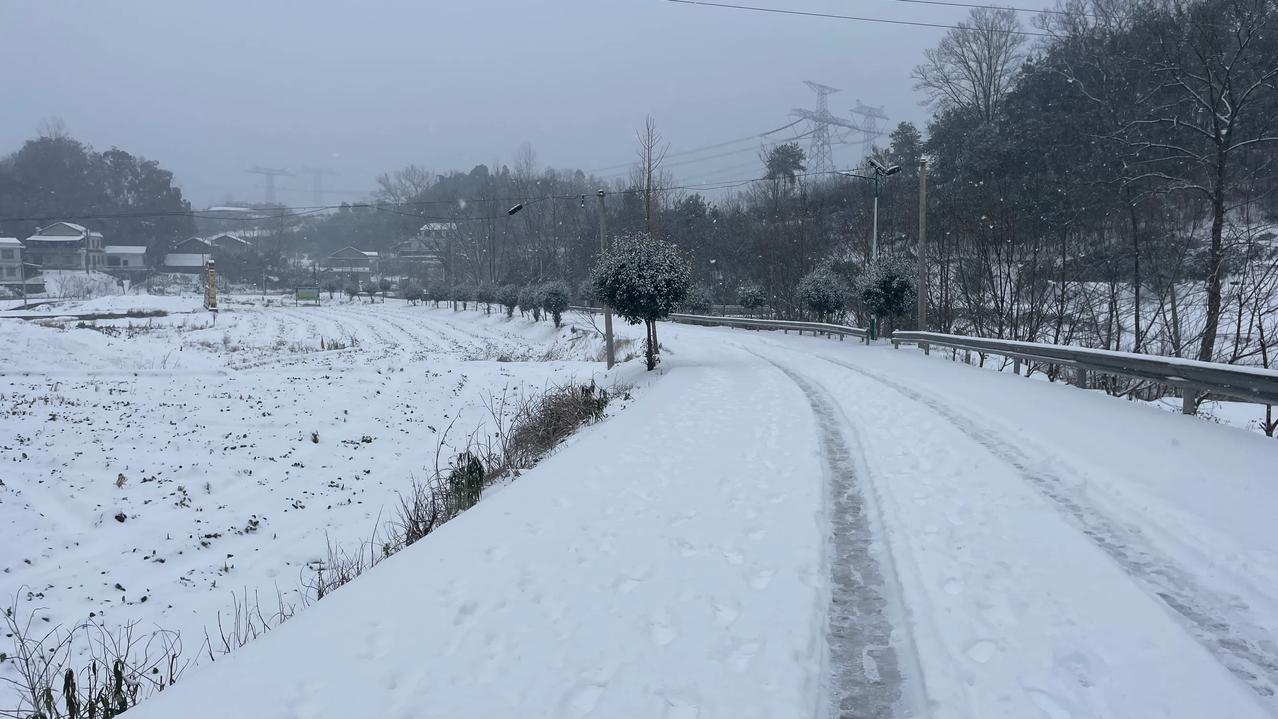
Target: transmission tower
[871,122]
[819,157]
[270,174]
[317,182]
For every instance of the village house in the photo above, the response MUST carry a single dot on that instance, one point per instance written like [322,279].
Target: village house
[189,255]
[125,259]
[11,274]
[355,265]
[65,246]
[231,244]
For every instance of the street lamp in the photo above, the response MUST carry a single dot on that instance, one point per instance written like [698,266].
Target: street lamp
[880,171]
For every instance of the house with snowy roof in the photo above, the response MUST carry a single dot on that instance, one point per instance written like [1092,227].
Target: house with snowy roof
[231,243]
[65,246]
[125,259]
[189,255]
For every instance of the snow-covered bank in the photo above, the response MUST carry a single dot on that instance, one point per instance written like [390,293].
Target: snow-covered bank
[667,563]
[207,431]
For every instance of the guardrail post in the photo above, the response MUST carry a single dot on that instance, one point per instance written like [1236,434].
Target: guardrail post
[1080,378]
[1016,366]
[927,348]
[967,356]
[1187,403]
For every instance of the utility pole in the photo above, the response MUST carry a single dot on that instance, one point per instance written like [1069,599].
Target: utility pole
[922,249]
[874,236]
[603,247]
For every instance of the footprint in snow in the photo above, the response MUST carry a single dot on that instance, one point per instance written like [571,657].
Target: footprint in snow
[661,628]
[982,651]
[762,578]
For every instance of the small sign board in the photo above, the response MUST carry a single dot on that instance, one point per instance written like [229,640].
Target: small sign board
[307,294]
[210,288]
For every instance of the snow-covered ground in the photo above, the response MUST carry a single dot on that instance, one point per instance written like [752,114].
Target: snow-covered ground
[780,525]
[775,526]
[208,431]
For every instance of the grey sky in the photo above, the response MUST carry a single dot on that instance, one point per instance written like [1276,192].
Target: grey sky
[211,88]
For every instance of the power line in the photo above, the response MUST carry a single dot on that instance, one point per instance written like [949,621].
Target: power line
[856,18]
[975,6]
[697,150]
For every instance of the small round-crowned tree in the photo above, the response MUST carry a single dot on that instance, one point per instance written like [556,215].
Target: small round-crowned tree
[509,297]
[823,293]
[643,279]
[887,290]
[554,299]
[699,301]
[751,297]
[487,294]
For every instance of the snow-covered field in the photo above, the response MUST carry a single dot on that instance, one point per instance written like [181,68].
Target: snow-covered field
[151,467]
[775,526]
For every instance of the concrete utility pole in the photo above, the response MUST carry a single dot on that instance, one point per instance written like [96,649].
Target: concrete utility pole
[603,247]
[922,250]
[874,236]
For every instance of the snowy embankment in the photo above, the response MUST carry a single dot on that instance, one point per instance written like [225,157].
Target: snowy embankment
[980,546]
[153,467]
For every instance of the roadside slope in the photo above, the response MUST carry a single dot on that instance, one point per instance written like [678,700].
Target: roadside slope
[668,563]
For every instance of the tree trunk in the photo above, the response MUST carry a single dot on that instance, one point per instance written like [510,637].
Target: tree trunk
[1216,260]
[1136,278]
[650,348]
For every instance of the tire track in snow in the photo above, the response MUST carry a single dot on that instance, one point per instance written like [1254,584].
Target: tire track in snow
[867,680]
[1220,622]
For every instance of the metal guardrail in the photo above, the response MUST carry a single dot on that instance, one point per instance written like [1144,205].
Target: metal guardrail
[746,323]
[1252,384]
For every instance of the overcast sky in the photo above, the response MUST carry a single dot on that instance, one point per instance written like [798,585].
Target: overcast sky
[210,89]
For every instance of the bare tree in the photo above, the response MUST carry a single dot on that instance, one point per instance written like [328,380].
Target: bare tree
[1200,102]
[974,65]
[403,186]
[652,150]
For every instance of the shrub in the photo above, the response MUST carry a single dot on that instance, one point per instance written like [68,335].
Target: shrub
[823,293]
[887,289]
[751,297]
[509,297]
[542,424]
[554,299]
[643,279]
[534,298]
[466,480]
[525,300]
[487,294]
[700,301]
[413,294]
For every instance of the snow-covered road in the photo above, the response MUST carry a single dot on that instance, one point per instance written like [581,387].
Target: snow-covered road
[786,526]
